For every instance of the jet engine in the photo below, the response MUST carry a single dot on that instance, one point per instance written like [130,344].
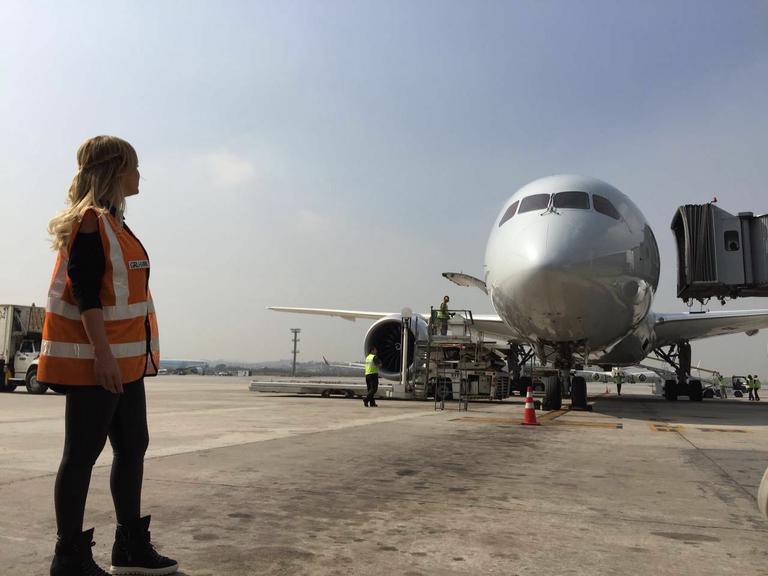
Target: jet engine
[386,336]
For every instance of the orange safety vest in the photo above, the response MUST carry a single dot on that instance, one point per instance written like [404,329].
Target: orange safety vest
[66,354]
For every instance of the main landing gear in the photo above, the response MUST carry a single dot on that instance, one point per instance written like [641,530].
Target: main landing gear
[679,357]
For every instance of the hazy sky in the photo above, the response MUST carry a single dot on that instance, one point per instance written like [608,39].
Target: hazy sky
[344,154]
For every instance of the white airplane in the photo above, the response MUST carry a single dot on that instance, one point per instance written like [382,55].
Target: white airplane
[183,366]
[631,376]
[571,268]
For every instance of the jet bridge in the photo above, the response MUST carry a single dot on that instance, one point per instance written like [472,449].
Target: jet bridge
[720,255]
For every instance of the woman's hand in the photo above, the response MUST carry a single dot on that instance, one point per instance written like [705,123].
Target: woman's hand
[105,367]
[107,372]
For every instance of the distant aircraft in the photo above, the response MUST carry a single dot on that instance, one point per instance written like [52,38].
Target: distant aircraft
[183,366]
[631,376]
[357,366]
[571,267]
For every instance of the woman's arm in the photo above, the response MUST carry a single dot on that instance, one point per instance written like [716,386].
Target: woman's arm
[86,269]
[105,366]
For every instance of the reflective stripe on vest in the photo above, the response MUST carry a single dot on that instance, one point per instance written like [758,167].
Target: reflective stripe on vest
[370,365]
[66,356]
[85,351]
[125,312]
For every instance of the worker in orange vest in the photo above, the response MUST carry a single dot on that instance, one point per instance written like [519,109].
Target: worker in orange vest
[100,340]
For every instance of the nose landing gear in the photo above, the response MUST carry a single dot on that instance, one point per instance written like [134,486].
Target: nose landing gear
[565,385]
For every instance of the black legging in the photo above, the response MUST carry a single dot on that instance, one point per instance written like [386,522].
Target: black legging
[92,414]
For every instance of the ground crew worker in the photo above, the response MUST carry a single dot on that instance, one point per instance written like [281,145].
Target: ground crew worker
[372,363]
[750,387]
[99,342]
[721,384]
[756,387]
[442,315]
[618,379]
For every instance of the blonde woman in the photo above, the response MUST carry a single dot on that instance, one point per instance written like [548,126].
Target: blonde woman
[100,341]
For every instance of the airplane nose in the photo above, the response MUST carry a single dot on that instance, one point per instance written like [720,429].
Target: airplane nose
[551,285]
[553,248]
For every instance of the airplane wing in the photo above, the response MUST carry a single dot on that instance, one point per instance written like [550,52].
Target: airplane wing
[350,315]
[492,324]
[487,323]
[671,328]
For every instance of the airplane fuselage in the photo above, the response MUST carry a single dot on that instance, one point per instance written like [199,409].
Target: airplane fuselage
[572,260]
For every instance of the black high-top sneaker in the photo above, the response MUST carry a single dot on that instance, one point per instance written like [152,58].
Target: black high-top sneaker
[73,557]
[133,552]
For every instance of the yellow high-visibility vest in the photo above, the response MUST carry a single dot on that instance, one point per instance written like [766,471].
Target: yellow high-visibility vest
[66,354]
[370,365]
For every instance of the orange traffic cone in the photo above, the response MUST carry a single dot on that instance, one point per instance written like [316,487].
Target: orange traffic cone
[529,414]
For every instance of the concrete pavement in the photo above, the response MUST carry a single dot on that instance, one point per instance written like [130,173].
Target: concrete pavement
[240,483]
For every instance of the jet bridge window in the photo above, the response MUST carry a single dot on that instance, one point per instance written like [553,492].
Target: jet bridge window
[731,240]
[571,200]
[509,213]
[604,206]
[535,202]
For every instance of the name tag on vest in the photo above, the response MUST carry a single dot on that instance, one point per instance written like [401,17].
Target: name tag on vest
[137,264]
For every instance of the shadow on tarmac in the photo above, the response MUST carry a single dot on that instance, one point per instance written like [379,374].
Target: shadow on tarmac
[714,412]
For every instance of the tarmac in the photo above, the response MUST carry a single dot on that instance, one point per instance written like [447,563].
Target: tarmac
[242,483]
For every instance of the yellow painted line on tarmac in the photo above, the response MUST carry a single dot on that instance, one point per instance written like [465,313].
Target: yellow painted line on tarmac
[552,415]
[589,424]
[548,419]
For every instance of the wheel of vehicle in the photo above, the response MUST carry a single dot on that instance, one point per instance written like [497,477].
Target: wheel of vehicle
[762,495]
[709,393]
[670,389]
[33,386]
[553,399]
[349,394]
[695,391]
[578,392]
[325,393]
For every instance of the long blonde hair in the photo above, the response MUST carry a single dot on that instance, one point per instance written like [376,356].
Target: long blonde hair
[101,161]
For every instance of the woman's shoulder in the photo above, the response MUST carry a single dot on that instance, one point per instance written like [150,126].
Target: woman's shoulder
[89,222]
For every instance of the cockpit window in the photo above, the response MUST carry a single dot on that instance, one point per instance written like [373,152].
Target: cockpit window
[510,212]
[535,202]
[571,200]
[604,206]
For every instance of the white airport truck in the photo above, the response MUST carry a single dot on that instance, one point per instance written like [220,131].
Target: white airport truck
[21,332]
